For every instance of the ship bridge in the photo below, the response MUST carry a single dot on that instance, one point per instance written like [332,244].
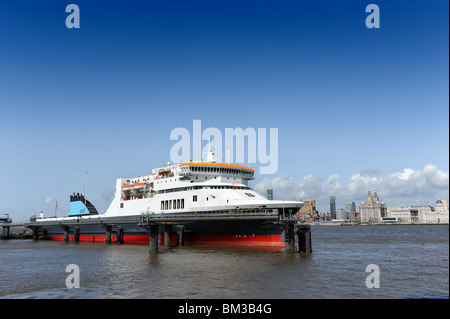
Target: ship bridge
[214,169]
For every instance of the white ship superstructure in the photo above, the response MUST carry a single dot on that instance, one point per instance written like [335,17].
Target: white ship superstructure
[186,188]
[190,186]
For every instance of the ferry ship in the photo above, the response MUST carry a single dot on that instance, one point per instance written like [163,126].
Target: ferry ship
[189,187]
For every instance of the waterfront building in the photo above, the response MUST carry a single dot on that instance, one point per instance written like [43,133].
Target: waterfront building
[441,206]
[419,214]
[332,207]
[350,207]
[401,215]
[438,215]
[308,210]
[372,211]
[341,214]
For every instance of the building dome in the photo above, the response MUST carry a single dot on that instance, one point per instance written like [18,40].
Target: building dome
[438,201]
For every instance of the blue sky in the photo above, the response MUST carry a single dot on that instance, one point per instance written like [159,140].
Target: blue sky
[104,98]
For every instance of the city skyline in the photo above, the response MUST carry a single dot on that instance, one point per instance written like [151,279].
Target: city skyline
[348,204]
[355,108]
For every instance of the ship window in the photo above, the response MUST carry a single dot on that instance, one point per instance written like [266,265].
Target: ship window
[162,205]
[178,204]
[121,205]
[182,203]
[194,198]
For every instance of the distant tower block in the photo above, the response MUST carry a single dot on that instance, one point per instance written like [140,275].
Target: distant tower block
[333,207]
[270,194]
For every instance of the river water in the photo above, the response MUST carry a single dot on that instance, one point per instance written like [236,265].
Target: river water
[413,262]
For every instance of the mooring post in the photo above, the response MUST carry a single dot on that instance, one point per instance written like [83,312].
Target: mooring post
[6,232]
[308,242]
[35,233]
[304,239]
[153,242]
[289,238]
[120,235]
[180,235]
[168,235]
[66,233]
[77,235]
[108,229]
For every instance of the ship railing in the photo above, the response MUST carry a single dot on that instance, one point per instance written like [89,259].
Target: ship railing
[268,213]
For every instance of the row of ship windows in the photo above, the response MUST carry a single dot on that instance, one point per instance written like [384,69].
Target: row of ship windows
[180,189]
[172,204]
[196,177]
[176,203]
[221,170]
[179,203]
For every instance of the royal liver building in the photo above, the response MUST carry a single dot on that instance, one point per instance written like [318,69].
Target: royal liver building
[372,210]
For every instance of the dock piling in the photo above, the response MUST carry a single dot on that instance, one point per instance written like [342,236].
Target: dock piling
[77,235]
[168,235]
[180,235]
[108,230]
[153,242]
[120,235]
[289,238]
[304,239]
[66,232]
[6,231]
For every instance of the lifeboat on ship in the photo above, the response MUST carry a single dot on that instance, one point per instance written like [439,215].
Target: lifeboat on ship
[135,186]
[164,172]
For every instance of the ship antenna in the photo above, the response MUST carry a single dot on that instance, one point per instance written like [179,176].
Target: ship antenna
[85,187]
[209,144]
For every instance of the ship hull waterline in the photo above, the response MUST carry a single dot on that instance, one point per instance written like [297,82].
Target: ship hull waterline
[234,233]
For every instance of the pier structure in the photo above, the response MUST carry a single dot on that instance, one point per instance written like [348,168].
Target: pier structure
[169,224]
[300,233]
[8,229]
[6,223]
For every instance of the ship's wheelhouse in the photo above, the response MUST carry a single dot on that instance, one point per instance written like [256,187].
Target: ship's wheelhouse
[193,168]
